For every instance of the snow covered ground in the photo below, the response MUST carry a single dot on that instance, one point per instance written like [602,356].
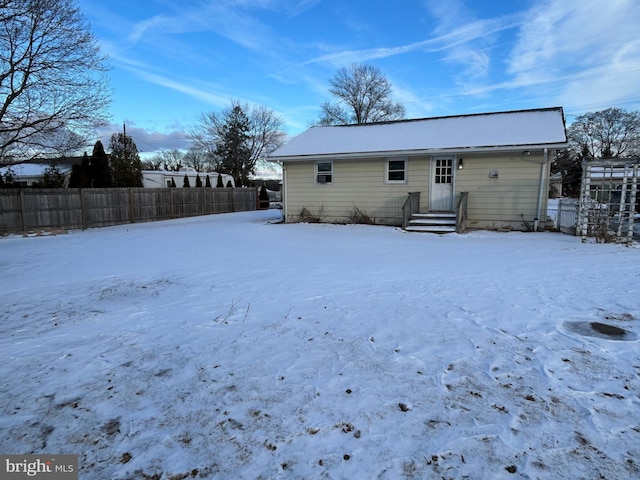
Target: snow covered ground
[231,347]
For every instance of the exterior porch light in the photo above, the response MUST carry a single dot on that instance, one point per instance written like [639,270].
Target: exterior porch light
[460,164]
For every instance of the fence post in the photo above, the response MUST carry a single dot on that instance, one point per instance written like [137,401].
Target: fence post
[171,203]
[23,219]
[82,209]
[132,213]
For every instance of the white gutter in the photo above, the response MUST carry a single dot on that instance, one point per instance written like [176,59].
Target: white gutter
[543,182]
[389,153]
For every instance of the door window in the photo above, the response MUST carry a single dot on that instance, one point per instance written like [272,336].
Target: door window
[444,170]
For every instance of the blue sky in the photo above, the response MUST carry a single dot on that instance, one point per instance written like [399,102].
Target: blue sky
[172,60]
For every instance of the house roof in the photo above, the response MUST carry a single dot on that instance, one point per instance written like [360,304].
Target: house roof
[523,129]
[32,169]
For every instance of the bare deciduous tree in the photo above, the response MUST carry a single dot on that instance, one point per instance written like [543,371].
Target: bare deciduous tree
[53,84]
[264,133]
[198,160]
[364,96]
[165,160]
[174,160]
[610,133]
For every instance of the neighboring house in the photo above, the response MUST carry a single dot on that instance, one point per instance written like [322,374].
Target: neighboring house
[495,164]
[163,178]
[30,174]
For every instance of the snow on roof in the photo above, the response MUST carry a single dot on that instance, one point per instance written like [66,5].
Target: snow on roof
[524,128]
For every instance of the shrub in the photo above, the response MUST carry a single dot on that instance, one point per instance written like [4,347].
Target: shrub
[263,198]
[307,217]
[360,216]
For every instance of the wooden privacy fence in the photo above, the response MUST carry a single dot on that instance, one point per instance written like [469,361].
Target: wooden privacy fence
[75,208]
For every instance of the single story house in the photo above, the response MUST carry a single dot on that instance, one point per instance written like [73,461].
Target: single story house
[30,174]
[169,178]
[478,171]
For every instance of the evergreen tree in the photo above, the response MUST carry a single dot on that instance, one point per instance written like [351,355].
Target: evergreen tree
[233,149]
[99,166]
[185,183]
[198,181]
[173,183]
[52,177]
[126,166]
[208,182]
[74,178]
[256,127]
[220,183]
[8,178]
[229,185]
[263,196]
[81,174]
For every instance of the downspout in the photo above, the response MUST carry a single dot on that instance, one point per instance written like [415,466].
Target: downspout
[543,182]
[284,195]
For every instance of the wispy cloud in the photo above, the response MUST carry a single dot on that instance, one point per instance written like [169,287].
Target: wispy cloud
[204,93]
[585,43]
[228,18]
[470,43]
[563,53]
[159,23]
[456,42]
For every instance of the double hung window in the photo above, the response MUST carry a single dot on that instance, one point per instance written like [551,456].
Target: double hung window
[324,172]
[396,170]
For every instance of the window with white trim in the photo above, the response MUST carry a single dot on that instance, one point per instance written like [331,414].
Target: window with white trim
[324,172]
[396,170]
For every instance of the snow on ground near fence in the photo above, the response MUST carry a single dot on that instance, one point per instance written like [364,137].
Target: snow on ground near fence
[228,347]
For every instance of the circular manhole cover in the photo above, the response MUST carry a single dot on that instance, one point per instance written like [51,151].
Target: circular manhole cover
[600,330]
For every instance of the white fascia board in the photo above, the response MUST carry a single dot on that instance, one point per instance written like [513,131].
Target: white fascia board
[392,153]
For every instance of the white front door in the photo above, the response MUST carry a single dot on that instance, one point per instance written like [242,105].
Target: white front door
[441,191]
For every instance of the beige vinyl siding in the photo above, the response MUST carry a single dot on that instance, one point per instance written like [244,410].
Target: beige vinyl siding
[493,203]
[356,184]
[496,203]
